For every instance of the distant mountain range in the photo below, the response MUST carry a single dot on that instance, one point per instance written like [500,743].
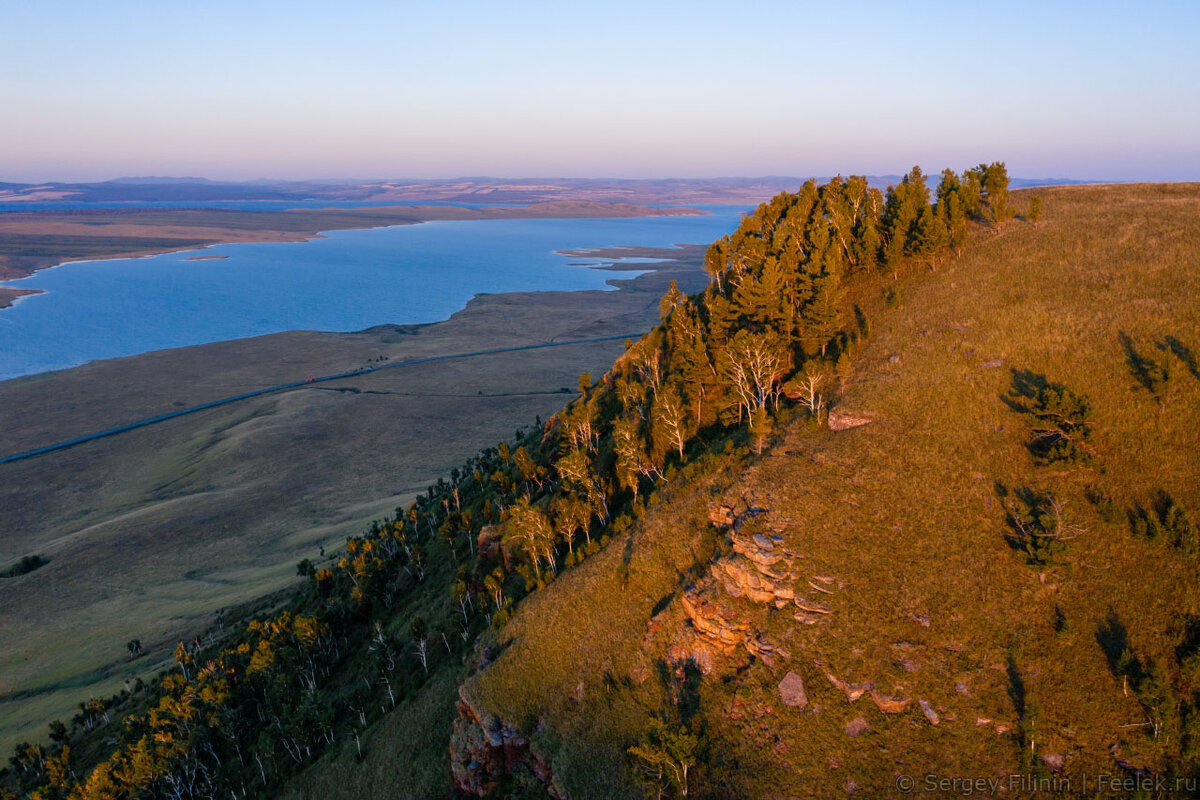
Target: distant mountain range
[148,189]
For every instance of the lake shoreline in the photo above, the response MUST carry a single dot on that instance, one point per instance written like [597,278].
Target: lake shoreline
[681,263]
[124,511]
[32,241]
[342,280]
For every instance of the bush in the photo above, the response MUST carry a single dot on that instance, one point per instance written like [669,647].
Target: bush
[25,566]
[1037,524]
[1063,426]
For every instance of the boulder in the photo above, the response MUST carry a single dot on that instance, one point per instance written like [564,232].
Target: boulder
[1054,761]
[791,691]
[842,422]
[928,710]
[856,727]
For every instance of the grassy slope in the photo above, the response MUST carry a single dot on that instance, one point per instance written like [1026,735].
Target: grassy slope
[904,512]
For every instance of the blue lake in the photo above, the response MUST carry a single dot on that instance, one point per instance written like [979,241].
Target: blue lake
[347,281]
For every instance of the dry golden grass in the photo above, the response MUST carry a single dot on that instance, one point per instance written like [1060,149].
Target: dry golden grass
[905,513]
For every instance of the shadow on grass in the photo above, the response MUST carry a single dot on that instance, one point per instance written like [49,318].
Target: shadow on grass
[1188,637]
[1026,386]
[662,603]
[1183,353]
[1017,692]
[1113,638]
[1144,370]
[681,682]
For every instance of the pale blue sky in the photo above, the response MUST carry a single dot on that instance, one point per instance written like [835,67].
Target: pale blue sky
[264,88]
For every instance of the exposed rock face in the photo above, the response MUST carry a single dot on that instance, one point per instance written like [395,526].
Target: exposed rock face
[715,624]
[727,516]
[761,571]
[791,691]
[721,516]
[743,578]
[483,750]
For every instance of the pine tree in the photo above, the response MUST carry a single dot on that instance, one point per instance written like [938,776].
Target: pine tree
[762,298]
[867,243]
[822,316]
[995,183]
[905,202]
[931,235]
[956,222]
[972,192]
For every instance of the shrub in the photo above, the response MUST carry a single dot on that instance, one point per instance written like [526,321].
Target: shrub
[1062,427]
[1037,524]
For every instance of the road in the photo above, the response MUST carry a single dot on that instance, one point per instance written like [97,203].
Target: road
[298,385]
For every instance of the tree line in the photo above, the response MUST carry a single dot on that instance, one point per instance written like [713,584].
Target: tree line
[769,335]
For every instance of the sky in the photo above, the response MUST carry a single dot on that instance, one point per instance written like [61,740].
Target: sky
[248,89]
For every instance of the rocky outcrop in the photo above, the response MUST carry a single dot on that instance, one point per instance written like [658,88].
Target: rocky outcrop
[842,422]
[483,749]
[760,570]
[722,516]
[714,624]
[728,516]
[743,578]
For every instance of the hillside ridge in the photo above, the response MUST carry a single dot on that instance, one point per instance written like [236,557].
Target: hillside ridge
[742,563]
